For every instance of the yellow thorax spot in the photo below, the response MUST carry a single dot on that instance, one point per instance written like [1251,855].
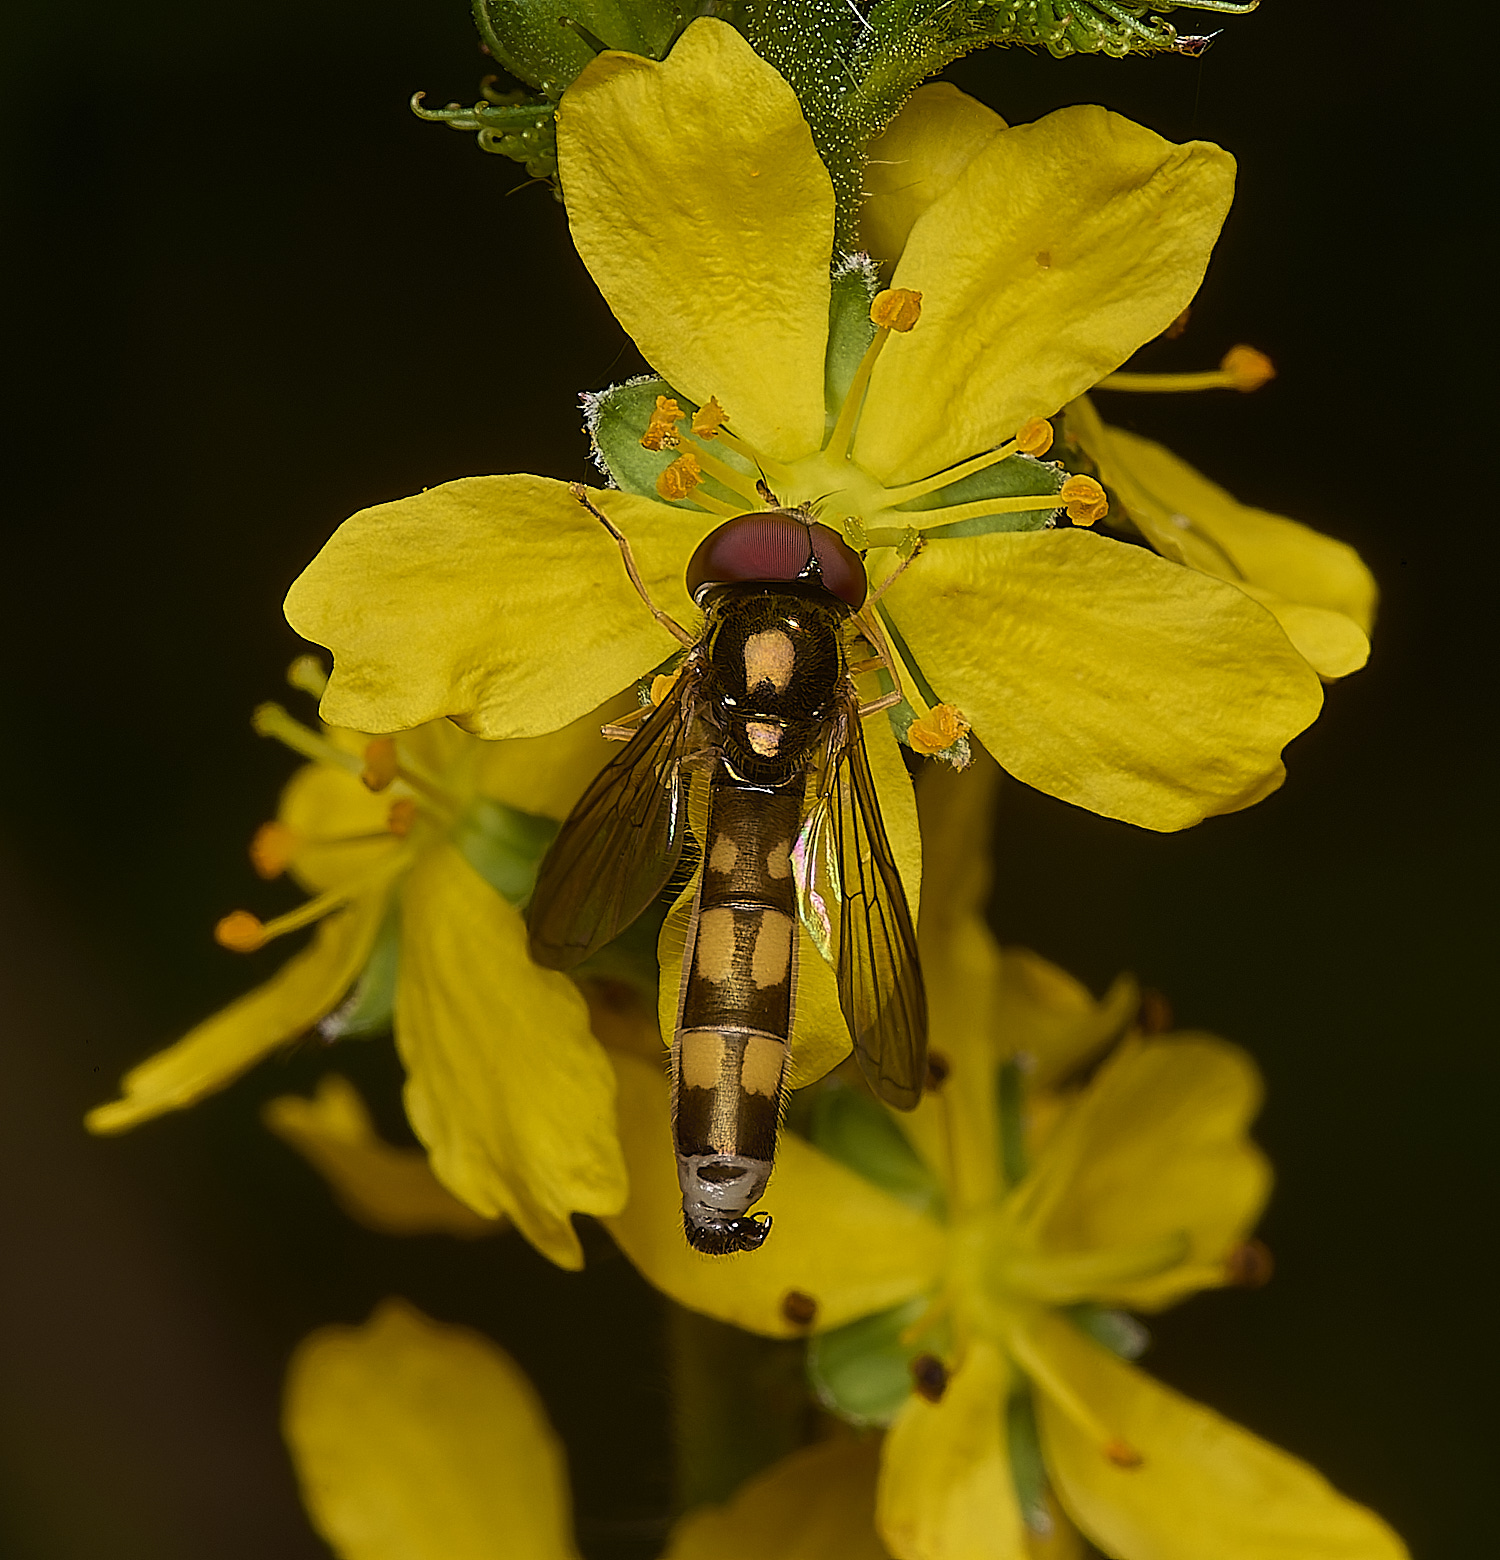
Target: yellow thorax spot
[723,856]
[779,860]
[702,1058]
[760,1068]
[771,961]
[769,658]
[713,953]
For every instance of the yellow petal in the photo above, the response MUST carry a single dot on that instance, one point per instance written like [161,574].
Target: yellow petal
[506,1087]
[945,1480]
[306,988]
[417,1441]
[885,1253]
[544,776]
[1204,1487]
[698,203]
[497,600]
[1106,676]
[1052,1019]
[1061,247]
[1225,537]
[323,803]
[388,1189]
[918,160]
[1156,1147]
[1333,644]
[817,1504]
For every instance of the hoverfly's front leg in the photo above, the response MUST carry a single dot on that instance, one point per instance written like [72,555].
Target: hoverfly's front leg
[869,625]
[672,626]
[623,730]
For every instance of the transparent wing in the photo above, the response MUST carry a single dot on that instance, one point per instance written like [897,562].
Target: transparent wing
[621,844]
[854,908]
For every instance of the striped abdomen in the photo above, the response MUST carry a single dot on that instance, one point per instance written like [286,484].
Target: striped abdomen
[734,1027]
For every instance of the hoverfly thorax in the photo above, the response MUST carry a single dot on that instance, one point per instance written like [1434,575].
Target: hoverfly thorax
[766,711]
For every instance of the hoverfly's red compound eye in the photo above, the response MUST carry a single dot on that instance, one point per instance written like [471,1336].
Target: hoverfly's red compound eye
[778,545]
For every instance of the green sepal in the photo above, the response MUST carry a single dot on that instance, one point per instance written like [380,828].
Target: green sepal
[616,418]
[504,846]
[861,1134]
[368,1009]
[855,282]
[1019,474]
[1118,1331]
[1010,1102]
[1028,1469]
[546,43]
[862,1371]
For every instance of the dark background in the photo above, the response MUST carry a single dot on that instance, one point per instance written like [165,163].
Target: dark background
[251,295]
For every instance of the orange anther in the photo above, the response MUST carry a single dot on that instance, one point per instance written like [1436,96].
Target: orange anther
[1122,1454]
[1247,369]
[1084,500]
[1034,436]
[271,849]
[1249,1265]
[401,817]
[380,763]
[897,308]
[707,420]
[661,432]
[936,731]
[681,477]
[240,932]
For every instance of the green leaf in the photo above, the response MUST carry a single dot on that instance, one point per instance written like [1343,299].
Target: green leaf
[504,846]
[858,1131]
[850,328]
[368,1009]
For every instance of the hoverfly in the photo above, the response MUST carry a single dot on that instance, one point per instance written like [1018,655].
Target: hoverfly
[765,708]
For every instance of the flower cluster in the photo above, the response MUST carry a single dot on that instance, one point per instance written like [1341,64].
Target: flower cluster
[1050,595]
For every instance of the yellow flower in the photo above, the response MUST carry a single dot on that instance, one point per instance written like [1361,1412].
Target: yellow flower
[1319,590]
[1093,669]
[418,1441]
[417,852]
[963,1272]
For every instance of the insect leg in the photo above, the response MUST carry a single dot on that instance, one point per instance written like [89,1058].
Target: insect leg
[668,622]
[870,626]
[623,730]
[895,573]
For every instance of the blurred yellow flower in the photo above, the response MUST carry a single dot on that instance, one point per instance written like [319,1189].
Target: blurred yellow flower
[418,1441]
[1319,590]
[417,852]
[1093,669]
[962,1272]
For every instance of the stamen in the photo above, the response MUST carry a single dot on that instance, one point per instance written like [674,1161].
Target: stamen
[661,432]
[897,309]
[1116,1448]
[739,482]
[241,932]
[708,420]
[890,536]
[936,731]
[681,477]
[1250,1265]
[271,849]
[381,763]
[1064,1277]
[271,720]
[1084,500]
[929,1377]
[1241,368]
[401,817]
[1035,436]
[307,674]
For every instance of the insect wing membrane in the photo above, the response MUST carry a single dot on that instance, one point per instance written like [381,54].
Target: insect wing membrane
[620,844]
[854,908]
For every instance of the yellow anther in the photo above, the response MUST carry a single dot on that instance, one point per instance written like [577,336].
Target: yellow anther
[1084,500]
[681,477]
[240,932]
[1246,368]
[936,731]
[401,817]
[380,763]
[307,674]
[661,432]
[1034,436]
[897,309]
[271,849]
[707,420]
